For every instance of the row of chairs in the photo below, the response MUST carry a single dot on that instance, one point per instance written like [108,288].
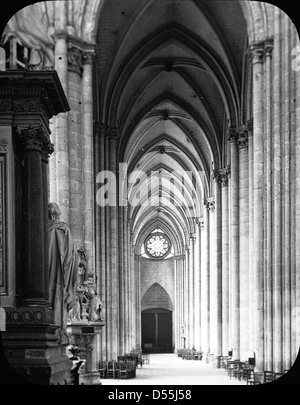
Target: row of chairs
[139,358]
[244,371]
[189,354]
[117,369]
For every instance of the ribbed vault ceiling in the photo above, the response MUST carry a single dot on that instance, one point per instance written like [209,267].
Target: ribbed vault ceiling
[169,76]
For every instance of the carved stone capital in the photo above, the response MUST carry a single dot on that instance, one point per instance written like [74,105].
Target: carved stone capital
[88,58]
[232,134]
[201,223]
[209,203]
[268,45]
[75,60]
[257,51]
[35,138]
[242,139]
[192,238]
[221,176]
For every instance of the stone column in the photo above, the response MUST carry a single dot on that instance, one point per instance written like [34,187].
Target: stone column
[36,144]
[244,240]
[88,157]
[205,273]
[125,273]
[187,304]
[76,144]
[258,183]
[296,273]
[113,269]
[277,190]
[197,284]
[211,207]
[139,306]
[216,273]
[60,133]
[131,296]
[121,282]
[192,291]
[176,305]
[180,267]
[128,329]
[251,216]
[268,312]
[234,244]
[224,175]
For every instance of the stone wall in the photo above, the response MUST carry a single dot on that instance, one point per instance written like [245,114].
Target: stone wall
[159,272]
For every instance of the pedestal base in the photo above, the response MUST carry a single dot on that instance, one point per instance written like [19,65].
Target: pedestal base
[92,378]
[32,351]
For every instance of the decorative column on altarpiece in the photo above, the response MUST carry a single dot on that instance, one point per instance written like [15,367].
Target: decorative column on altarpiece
[36,147]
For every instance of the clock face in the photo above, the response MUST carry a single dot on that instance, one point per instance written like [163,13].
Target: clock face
[157,245]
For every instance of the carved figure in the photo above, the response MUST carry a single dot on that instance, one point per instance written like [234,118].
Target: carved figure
[28,26]
[62,270]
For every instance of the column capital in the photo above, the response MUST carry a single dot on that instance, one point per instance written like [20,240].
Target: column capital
[88,57]
[210,204]
[268,45]
[221,176]
[75,60]
[201,223]
[192,238]
[35,138]
[242,139]
[257,51]
[232,134]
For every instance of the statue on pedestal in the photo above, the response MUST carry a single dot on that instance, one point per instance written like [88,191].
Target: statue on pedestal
[29,28]
[88,305]
[62,270]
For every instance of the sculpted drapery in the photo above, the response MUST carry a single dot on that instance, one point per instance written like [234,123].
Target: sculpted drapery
[62,270]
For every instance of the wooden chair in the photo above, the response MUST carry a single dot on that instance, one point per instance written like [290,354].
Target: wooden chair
[240,370]
[103,369]
[123,370]
[112,369]
[278,375]
[231,369]
[268,376]
[223,360]
[253,378]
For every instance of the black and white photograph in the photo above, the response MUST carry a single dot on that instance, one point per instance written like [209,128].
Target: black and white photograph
[149,196]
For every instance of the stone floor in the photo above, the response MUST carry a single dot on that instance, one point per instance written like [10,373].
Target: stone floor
[168,369]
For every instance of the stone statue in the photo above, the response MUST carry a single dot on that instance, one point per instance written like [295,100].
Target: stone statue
[62,270]
[28,26]
[95,304]
[88,305]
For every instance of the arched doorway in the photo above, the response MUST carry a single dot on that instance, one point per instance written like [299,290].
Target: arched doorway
[157,331]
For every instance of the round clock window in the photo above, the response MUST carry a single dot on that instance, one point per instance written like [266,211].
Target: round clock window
[157,245]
